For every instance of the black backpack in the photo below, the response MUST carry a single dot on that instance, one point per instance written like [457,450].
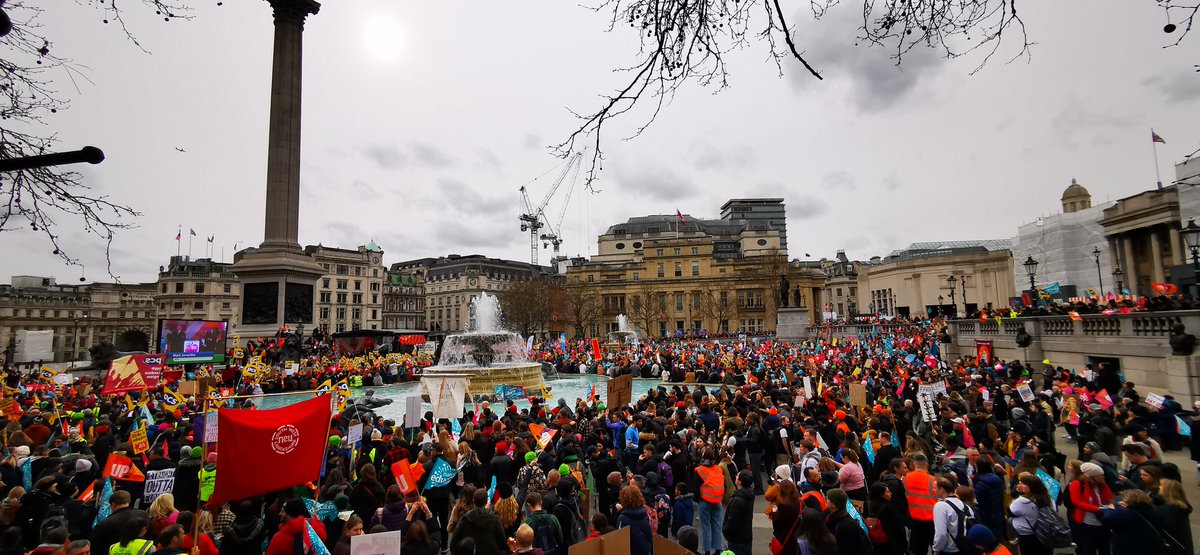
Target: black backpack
[55,517]
[966,519]
[1050,529]
[543,536]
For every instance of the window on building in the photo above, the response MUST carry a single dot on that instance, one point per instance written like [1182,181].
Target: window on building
[661,270]
[662,302]
[676,251]
[853,291]
[840,309]
[636,277]
[325,283]
[341,313]
[178,305]
[162,306]
[343,270]
[659,252]
[226,306]
[695,268]
[326,296]
[591,279]
[164,288]
[104,314]
[375,272]
[839,292]
[324,313]
[679,325]
[696,300]
[341,327]
[375,286]
[358,270]
[358,285]
[356,314]
[198,305]
[357,298]
[695,250]
[229,287]
[341,298]
[199,287]
[679,302]
[662,329]
[374,314]
[374,298]
[343,283]
[678,269]
[179,287]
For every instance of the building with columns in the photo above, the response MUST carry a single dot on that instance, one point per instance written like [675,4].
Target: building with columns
[1143,237]
[198,289]
[350,294]
[78,315]
[917,280]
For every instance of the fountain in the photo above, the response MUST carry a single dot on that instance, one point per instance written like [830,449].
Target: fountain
[488,355]
[623,337]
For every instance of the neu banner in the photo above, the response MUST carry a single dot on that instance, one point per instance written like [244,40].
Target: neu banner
[134,373]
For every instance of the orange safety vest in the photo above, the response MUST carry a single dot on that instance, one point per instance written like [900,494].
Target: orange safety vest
[810,495]
[712,483]
[921,492]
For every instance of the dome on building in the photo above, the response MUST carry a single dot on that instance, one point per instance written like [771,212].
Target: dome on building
[1076,197]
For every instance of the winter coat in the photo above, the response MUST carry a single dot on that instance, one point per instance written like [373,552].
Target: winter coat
[1134,530]
[1175,522]
[640,538]
[739,517]
[109,529]
[244,538]
[483,526]
[284,541]
[989,502]
[393,516]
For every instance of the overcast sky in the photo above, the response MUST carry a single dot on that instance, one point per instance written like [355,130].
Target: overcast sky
[422,120]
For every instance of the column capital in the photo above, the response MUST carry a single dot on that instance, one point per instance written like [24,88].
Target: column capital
[294,11]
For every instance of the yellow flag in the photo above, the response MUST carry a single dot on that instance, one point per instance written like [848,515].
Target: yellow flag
[129,403]
[324,388]
[173,400]
[821,386]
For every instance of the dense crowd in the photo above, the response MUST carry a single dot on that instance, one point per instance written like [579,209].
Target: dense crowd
[877,443]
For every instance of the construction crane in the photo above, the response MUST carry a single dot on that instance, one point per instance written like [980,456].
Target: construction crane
[555,236]
[533,219]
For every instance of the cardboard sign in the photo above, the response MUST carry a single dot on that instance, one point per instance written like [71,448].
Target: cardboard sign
[412,412]
[62,379]
[1026,392]
[293,369]
[354,434]
[187,388]
[1155,400]
[620,391]
[927,395]
[139,441]
[858,395]
[379,543]
[612,543]
[663,546]
[158,482]
[210,427]
[808,388]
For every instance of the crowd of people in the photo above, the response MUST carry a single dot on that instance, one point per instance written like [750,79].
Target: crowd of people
[875,443]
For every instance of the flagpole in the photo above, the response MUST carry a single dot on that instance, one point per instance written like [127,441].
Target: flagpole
[190,235]
[178,236]
[1154,145]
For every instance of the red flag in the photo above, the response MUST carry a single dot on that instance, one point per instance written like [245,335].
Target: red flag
[1155,138]
[1164,288]
[679,215]
[1104,400]
[122,468]
[88,493]
[596,349]
[269,450]
[177,235]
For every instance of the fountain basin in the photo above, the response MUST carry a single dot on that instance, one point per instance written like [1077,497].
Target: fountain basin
[487,359]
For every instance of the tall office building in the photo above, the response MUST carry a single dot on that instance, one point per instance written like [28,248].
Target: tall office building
[759,214]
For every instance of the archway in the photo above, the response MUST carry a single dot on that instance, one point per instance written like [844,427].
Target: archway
[132,341]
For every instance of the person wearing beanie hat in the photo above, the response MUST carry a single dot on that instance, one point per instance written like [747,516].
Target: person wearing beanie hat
[1089,493]
[563,469]
[530,477]
[503,467]
[986,541]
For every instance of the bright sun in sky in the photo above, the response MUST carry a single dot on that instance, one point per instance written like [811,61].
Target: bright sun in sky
[382,39]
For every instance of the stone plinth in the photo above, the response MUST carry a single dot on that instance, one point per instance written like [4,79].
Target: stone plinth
[792,323]
[277,289]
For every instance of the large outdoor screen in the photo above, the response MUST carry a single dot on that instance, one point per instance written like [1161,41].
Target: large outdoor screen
[192,341]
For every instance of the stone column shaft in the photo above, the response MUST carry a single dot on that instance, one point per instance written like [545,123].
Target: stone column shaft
[282,223]
[1156,257]
[1131,275]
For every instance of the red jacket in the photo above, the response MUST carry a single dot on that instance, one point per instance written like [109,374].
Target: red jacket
[284,541]
[1084,501]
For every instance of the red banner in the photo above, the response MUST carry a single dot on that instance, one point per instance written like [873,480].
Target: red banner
[134,373]
[122,468]
[983,351]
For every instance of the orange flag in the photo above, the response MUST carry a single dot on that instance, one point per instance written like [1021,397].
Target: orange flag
[542,434]
[404,477]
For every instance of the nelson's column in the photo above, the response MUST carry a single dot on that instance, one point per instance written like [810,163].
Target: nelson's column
[277,277]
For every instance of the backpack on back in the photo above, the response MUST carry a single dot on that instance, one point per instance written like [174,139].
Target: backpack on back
[543,536]
[1050,529]
[966,519]
[55,517]
[666,476]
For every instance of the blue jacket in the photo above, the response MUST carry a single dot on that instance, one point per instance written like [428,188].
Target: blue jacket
[641,540]
[989,502]
[683,511]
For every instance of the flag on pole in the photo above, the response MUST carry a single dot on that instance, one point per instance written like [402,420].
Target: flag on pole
[869,449]
[1156,138]
[441,474]
[211,237]
[178,235]
[542,434]
[192,231]
[290,441]
[679,215]
[1183,428]
[105,510]
[312,542]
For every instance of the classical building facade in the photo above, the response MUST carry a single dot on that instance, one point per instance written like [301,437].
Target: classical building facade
[1143,236]
[404,299]
[78,315]
[453,281]
[841,287]
[350,294]
[917,280]
[197,290]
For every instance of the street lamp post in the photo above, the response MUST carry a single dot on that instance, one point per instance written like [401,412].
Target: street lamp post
[1099,276]
[1031,270]
[75,340]
[953,282]
[1191,237]
[1118,275]
[941,304]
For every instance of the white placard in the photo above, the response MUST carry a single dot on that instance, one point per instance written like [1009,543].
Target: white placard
[62,379]
[210,427]
[447,395]
[927,395]
[379,543]
[1026,392]
[1155,400]
[412,412]
[808,388]
[354,434]
[293,369]
[158,482]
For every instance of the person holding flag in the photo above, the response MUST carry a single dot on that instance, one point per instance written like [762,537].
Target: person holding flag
[438,475]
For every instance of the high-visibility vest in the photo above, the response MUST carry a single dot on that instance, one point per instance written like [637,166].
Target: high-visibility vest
[208,483]
[135,547]
[712,483]
[813,495]
[921,492]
